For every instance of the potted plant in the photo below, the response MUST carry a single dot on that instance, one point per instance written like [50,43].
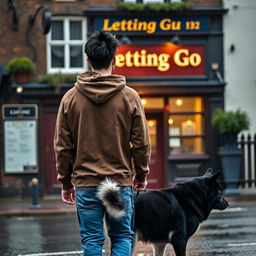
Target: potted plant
[230,124]
[21,68]
[56,80]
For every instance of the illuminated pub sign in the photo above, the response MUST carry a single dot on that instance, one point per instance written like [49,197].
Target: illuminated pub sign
[153,25]
[160,60]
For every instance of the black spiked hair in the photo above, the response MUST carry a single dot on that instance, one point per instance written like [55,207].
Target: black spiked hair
[101,49]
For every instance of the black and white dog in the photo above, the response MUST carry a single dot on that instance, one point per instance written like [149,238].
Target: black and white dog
[169,215]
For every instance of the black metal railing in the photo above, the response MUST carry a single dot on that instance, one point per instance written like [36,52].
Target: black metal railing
[248,169]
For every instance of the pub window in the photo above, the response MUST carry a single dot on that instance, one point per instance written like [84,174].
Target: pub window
[152,133]
[152,103]
[65,45]
[186,126]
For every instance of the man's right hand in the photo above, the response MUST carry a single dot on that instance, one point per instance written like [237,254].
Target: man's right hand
[68,196]
[139,186]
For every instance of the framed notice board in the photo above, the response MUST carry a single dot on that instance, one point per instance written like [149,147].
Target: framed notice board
[20,139]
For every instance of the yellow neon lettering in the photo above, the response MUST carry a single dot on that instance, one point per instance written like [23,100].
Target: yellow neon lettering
[152,60]
[106,25]
[123,25]
[163,62]
[151,28]
[165,24]
[136,59]
[116,26]
[142,59]
[179,60]
[176,25]
[168,24]
[142,26]
[128,57]
[120,60]
[130,25]
[182,58]
[195,59]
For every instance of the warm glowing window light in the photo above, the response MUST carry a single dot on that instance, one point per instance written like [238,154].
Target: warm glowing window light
[143,102]
[179,102]
[170,121]
[189,122]
[150,123]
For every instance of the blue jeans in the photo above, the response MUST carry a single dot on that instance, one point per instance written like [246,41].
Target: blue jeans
[91,211]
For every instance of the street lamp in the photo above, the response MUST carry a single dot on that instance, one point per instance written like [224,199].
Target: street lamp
[46,24]
[46,19]
[15,18]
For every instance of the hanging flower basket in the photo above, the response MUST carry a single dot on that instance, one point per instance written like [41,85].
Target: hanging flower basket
[21,68]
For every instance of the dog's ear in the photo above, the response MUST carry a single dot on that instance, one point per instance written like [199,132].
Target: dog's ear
[215,176]
[208,173]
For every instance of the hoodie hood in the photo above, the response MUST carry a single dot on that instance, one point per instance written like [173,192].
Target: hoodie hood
[97,88]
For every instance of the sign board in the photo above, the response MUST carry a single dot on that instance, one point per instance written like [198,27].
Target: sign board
[138,25]
[19,111]
[20,139]
[167,60]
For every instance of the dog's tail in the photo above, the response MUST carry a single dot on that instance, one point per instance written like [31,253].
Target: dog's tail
[109,193]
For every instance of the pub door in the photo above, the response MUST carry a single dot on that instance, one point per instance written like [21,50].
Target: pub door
[49,173]
[156,128]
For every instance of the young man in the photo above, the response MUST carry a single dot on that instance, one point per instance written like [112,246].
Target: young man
[101,131]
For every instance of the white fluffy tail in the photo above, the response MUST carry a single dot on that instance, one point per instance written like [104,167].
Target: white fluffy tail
[109,193]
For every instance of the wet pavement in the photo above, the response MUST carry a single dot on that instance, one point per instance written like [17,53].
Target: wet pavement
[231,232]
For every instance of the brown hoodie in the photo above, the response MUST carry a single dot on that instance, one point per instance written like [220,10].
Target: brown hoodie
[100,128]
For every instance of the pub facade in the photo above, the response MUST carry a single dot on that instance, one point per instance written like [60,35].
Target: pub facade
[174,60]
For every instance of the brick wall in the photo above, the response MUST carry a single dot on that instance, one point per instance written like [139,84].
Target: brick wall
[14,43]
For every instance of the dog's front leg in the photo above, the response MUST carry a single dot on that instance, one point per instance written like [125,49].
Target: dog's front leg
[179,244]
[135,241]
[159,248]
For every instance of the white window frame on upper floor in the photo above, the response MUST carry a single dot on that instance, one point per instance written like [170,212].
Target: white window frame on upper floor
[67,42]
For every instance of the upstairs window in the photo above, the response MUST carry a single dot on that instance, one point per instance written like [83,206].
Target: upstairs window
[65,45]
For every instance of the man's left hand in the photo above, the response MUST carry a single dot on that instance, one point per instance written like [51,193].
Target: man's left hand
[68,196]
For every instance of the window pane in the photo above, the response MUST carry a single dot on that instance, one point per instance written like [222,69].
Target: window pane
[186,104]
[76,56]
[185,125]
[156,103]
[75,30]
[152,134]
[179,146]
[57,30]
[57,56]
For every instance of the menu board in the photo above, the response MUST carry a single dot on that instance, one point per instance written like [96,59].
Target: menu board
[20,144]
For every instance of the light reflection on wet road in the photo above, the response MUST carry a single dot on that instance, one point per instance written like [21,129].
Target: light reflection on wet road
[228,233]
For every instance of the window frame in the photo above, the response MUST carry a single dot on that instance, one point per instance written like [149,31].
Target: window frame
[202,135]
[66,42]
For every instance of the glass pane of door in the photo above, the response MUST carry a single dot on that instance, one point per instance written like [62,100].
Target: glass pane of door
[178,146]
[152,133]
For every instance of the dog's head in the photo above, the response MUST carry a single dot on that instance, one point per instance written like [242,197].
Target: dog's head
[215,191]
